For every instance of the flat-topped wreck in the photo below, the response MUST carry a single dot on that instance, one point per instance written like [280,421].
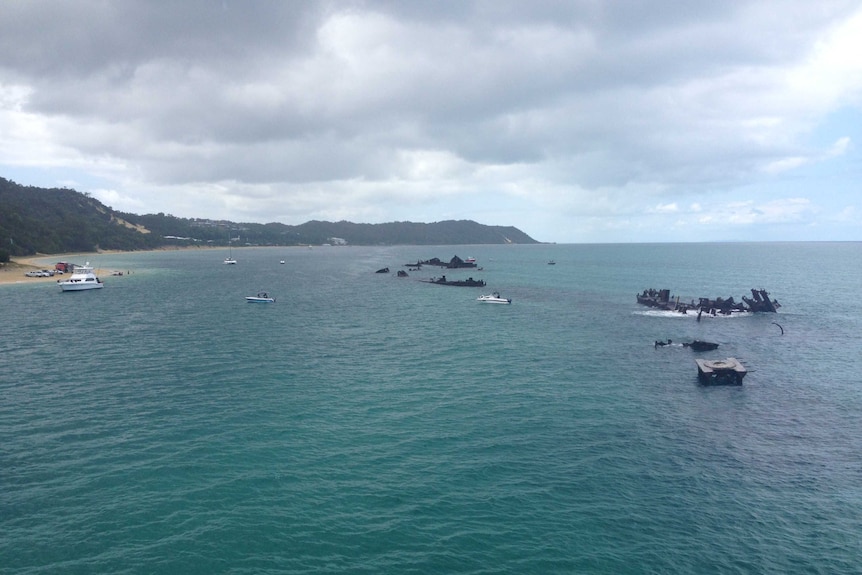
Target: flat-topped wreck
[663,300]
[729,371]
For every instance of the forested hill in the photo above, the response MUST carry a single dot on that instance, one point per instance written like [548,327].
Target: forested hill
[39,220]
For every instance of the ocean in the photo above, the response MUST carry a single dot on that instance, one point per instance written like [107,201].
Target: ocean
[366,423]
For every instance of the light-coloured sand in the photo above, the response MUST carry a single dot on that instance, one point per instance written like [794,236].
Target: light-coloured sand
[13,272]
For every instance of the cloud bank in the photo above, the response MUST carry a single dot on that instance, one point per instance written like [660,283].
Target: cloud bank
[574,121]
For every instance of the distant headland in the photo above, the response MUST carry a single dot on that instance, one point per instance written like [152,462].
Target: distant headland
[61,220]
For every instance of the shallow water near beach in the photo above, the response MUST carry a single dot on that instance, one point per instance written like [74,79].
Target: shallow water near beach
[366,423]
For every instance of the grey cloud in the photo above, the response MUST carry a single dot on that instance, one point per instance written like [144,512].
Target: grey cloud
[623,100]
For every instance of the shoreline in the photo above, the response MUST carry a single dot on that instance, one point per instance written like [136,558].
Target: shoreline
[13,272]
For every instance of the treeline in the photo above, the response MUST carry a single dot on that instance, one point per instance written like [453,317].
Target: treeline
[60,220]
[57,220]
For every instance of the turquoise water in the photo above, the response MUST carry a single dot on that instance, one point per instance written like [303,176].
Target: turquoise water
[371,424]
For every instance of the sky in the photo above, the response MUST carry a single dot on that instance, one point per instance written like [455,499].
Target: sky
[576,121]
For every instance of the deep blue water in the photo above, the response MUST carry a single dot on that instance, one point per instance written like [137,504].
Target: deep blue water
[370,424]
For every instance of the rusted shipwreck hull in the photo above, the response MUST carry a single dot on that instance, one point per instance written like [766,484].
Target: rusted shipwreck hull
[454,263]
[662,299]
[469,282]
[656,298]
[760,301]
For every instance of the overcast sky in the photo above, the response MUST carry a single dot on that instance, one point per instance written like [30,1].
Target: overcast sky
[575,121]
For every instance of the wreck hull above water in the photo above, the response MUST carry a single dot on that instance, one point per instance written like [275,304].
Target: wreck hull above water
[729,371]
[470,282]
[760,301]
[661,299]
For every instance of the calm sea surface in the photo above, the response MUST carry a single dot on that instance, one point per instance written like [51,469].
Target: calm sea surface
[371,424]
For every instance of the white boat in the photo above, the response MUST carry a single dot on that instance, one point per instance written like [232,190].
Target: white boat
[83,278]
[493,298]
[261,297]
[229,259]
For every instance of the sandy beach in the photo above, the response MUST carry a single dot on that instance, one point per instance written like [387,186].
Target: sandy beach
[13,272]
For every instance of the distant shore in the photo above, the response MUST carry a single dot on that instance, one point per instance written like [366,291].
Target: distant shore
[13,272]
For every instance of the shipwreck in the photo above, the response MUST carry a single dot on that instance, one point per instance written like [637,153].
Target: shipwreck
[663,300]
[454,263]
[469,282]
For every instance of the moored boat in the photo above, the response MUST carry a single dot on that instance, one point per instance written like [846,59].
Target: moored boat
[493,298]
[261,297]
[229,259]
[82,278]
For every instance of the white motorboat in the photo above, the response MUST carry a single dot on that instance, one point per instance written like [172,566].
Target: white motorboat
[493,298]
[261,297]
[82,278]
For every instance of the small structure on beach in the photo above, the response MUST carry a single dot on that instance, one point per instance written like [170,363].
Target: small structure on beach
[727,371]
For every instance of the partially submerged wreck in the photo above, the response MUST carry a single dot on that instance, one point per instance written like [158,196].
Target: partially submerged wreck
[656,298]
[454,263]
[696,345]
[663,300]
[760,301]
[720,371]
[469,282]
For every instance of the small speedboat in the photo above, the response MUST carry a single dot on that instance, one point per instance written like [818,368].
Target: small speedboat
[261,297]
[493,298]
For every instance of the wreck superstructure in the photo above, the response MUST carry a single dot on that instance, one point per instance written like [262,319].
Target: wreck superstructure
[663,300]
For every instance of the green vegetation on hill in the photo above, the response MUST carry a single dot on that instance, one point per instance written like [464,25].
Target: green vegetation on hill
[39,220]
